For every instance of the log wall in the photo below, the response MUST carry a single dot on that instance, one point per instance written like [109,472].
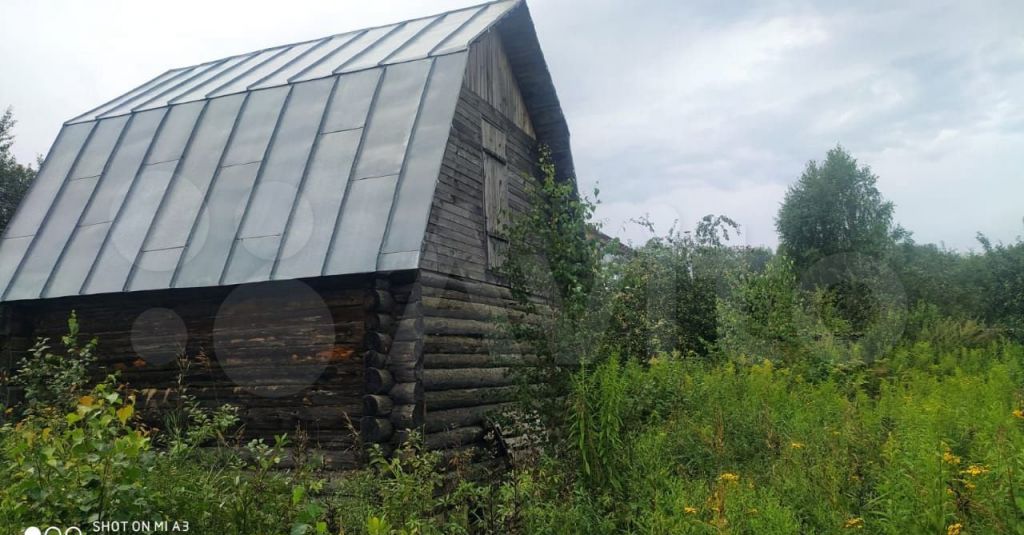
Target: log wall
[281,373]
[469,360]
[394,403]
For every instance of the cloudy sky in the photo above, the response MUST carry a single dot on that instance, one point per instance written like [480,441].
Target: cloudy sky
[677,108]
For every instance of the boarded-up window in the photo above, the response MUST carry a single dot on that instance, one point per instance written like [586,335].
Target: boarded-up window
[495,193]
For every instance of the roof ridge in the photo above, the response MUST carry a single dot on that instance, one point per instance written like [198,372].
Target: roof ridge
[357,30]
[414,39]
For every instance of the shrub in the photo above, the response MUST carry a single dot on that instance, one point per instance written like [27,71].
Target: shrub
[54,381]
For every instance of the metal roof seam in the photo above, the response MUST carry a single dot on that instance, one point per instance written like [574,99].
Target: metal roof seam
[213,92]
[103,244]
[419,33]
[360,30]
[174,177]
[130,104]
[341,68]
[405,161]
[209,188]
[255,174]
[256,182]
[290,62]
[104,110]
[305,174]
[179,99]
[497,20]
[32,243]
[240,91]
[139,106]
[456,31]
[352,171]
[175,84]
[119,98]
[315,64]
[32,185]
[88,203]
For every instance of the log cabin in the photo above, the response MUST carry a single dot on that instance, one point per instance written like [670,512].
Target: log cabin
[309,232]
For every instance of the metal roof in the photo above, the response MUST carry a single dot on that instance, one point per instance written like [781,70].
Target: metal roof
[318,158]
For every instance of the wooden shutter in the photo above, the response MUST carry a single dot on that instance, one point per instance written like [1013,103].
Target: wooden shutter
[495,193]
[494,141]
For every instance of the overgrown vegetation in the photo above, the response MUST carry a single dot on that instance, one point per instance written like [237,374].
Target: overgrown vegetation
[684,386]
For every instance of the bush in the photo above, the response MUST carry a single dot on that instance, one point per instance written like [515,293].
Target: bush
[54,381]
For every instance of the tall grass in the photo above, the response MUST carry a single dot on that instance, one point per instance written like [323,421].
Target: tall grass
[925,441]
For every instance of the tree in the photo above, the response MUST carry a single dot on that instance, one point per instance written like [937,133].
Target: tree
[835,208]
[14,177]
[835,227]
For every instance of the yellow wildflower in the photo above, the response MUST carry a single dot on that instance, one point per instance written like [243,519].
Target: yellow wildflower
[975,470]
[796,445]
[1018,413]
[954,529]
[854,523]
[969,486]
[690,510]
[729,476]
[949,458]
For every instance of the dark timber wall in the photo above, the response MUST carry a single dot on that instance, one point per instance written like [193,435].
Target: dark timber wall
[276,349]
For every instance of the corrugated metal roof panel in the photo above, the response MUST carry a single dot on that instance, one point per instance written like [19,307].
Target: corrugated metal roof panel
[262,166]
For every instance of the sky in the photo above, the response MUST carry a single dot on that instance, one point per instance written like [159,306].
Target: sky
[677,108]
